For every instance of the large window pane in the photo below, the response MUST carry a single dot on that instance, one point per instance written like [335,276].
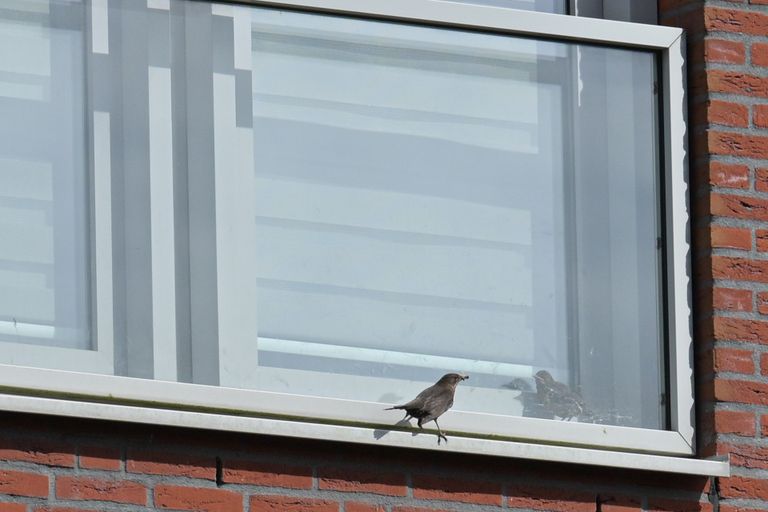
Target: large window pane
[428,200]
[328,206]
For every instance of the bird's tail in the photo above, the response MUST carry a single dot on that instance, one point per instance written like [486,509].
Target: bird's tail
[395,407]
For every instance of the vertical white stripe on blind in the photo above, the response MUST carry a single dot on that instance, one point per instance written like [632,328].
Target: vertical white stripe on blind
[242,38]
[235,238]
[100,26]
[159,4]
[161,224]
[102,220]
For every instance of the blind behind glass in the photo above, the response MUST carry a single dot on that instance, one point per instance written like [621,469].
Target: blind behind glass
[44,253]
[330,206]
[431,200]
[551,6]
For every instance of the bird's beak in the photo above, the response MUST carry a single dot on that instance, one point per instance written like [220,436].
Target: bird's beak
[464,377]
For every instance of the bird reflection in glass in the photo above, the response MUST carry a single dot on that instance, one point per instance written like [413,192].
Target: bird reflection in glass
[557,397]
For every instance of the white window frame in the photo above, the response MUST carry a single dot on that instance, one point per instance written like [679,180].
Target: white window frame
[172,403]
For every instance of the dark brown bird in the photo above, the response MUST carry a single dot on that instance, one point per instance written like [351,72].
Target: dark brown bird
[557,397]
[433,402]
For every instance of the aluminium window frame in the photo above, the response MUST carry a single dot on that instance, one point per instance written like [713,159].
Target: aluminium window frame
[171,403]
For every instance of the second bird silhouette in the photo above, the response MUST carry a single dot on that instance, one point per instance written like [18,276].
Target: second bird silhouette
[557,397]
[433,402]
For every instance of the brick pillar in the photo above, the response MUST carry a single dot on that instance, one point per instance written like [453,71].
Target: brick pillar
[728,103]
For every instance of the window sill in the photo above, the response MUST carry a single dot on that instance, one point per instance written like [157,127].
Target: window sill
[365,435]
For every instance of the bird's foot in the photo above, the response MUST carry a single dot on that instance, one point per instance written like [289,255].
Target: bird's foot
[439,436]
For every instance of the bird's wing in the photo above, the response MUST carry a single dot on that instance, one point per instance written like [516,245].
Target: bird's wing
[565,393]
[576,398]
[544,392]
[421,399]
[437,403]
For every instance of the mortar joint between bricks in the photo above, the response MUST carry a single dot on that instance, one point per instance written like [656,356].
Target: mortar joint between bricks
[714,493]
[409,484]
[504,494]
[599,502]
[51,485]
[219,472]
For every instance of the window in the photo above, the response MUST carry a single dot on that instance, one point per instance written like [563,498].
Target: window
[44,274]
[638,11]
[551,6]
[461,222]
[316,214]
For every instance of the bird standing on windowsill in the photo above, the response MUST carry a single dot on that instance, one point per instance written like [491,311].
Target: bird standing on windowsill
[433,402]
[557,397]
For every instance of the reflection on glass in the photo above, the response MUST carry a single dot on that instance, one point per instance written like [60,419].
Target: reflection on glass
[327,206]
[44,255]
[429,200]
[551,6]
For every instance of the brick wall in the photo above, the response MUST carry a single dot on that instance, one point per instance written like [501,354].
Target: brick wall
[728,102]
[55,465]
[50,464]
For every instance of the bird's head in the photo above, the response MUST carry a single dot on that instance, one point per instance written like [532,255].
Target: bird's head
[452,379]
[543,377]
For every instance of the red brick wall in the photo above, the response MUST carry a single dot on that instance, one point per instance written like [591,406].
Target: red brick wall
[728,102]
[49,464]
[57,465]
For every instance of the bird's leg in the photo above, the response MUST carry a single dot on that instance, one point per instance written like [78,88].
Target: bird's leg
[439,433]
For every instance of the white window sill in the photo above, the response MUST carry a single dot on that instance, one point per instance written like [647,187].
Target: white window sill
[364,435]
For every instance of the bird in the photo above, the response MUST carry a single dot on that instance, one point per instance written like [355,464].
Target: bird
[432,402]
[557,397]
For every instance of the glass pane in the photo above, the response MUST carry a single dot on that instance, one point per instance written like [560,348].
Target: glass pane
[615,272]
[430,201]
[635,11]
[44,256]
[552,6]
[335,207]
